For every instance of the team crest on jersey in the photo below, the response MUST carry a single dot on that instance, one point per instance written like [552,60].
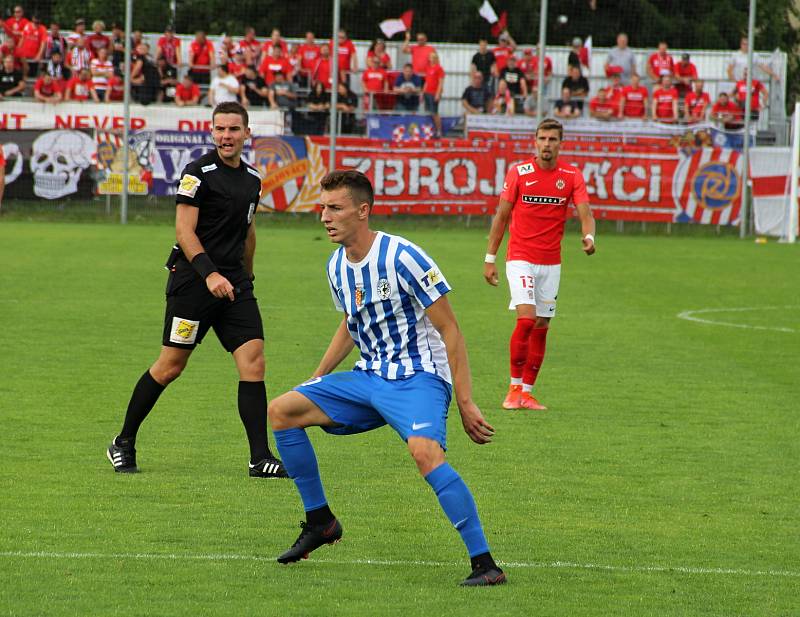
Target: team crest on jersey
[560,184]
[360,296]
[250,212]
[527,168]
[384,289]
[189,185]
[431,278]
[183,331]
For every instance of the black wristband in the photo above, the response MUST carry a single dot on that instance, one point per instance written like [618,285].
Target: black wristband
[203,265]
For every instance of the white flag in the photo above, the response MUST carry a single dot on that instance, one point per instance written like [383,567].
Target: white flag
[390,27]
[487,12]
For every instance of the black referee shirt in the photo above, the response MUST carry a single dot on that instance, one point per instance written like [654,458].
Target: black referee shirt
[227,198]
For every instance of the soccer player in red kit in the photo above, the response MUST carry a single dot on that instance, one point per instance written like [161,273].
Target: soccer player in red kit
[536,195]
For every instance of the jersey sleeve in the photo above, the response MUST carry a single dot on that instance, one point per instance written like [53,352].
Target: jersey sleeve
[191,186]
[331,270]
[579,193]
[510,185]
[420,276]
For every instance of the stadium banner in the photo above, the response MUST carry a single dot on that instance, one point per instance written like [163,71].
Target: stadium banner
[17,115]
[48,164]
[406,127]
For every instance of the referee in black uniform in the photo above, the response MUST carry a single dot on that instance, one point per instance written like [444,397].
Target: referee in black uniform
[210,286]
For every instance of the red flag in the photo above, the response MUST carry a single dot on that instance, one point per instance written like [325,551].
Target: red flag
[407,18]
[501,24]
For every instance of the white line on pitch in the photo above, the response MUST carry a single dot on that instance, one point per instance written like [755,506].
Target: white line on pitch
[690,316]
[398,562]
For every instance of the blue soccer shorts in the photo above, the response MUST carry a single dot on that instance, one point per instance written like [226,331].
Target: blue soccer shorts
[360,401]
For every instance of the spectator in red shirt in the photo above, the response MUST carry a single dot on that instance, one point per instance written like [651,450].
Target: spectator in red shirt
[420,52]
[378,49]
[201,58]
[696,103]
[309,55]
[275,63]
[348,59]
[634,99]
[9,48]
[187,92]
[432,91]
[685,74]
[47,90]
[238,64]
[530,66]
[101,69]
[665,101]
[81,88]
[603,108]
[614,90]
[726,112]
[31,46]
[251,47]
[375,80]
[660,64]
[14,24]
[503,102]
[322,69]
[97,40]
[275,40]
[169,47]
[115,93]
[758,94]
[505,48]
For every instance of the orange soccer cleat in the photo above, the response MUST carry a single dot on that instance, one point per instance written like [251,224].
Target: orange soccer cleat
[526,401]
[512,398]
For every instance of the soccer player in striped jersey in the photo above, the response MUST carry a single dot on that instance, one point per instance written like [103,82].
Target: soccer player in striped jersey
[396,312]
[535,198]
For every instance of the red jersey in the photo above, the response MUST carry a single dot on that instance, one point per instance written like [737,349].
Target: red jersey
[501,55]
[664,98]
[661,65]
[696,105]
[97,41]
[237,69]
[635,101]
[374,80]
[79,90]
[540,200]
[687,69]
[54,87]
[421,57]
[322,72]
[201,54]
[730,108]
[268,45]
[346,52]
[532,64]
[15,26]
[741,93]
[170,49]
[2,157]
[309,54]
[603,106]
[31,40]
[384,61]
[115,89]
[187,94]
[433,77]
[270,66]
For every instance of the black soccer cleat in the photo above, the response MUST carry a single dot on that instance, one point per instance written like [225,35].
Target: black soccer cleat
[122,455]
[311,538]
[483,577]
[270,467]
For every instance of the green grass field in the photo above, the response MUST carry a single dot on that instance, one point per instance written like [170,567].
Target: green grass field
[662,481]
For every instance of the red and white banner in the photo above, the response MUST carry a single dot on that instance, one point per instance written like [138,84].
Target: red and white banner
[771,178]
[17,115]
[634,183]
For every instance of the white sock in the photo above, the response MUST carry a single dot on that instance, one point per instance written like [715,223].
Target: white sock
[516,381]
[526,387]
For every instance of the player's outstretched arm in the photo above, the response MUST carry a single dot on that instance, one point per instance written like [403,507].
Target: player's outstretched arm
[444,320]
[498,230]
[185,226]
[587,227]
[339,347]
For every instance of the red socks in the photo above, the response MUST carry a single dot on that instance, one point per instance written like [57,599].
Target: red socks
[533,363]
[519,346]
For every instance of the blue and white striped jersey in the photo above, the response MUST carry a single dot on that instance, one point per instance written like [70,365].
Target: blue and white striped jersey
[385,296]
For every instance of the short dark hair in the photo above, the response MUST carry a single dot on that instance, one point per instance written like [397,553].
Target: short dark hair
[355,182]
[550,124]
[231,107]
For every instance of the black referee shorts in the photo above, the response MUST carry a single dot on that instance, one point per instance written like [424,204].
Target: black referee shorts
[192,310]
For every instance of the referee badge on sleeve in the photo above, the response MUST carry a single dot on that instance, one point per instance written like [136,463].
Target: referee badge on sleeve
[183,331]
[189,185]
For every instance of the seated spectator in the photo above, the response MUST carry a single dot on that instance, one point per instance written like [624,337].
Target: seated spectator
[514,78]
[503,102]
[578,85]
[346,104]
[255,90]
[578,57]
[634,99]
[529,106]
[660,64]
[420,53]
[603,108]
[309,54]
[408,88]
[504,50]
[375,80]
[168,75]
[274,62]
[238,64]
[529,65]
[614,88]
[201,58]
[115,92]
[169,48]
[319,103]
[476,98]
[483,60]
[726,112]
[282,93]
[56,69]
[47,90]
[275,40]
[187,92]
[250,46]
[378,50]
[696,103]
[224,88]
[11,81]
[665,101]
[80,87]
[79,57]
[322,69]
[101,69]
[97,40]
[566,107]
[758,96]
[145,79]
[685,74]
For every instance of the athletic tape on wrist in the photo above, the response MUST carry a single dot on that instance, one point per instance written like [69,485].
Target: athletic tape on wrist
[203,265]
[489,259]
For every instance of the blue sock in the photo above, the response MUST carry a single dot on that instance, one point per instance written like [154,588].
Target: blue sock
[459,506]
[300,461]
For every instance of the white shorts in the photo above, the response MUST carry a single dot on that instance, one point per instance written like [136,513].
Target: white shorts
[533,284]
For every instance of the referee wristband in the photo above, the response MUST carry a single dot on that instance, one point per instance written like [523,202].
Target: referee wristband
[589,237]
[489,259]
[203,265]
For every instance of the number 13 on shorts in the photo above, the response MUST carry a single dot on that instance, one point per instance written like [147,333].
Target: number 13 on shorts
[534,284]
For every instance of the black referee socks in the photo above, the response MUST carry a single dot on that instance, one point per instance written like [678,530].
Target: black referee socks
[253,412]
[144,397]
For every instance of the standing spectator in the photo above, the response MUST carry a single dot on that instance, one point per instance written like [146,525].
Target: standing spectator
[621,61]
[660,64]
[319,102]
[758,96]
[407,87]
[309,55]
[514,78]
[273,63]
[78,32]
[31,46]
[225,50]
[476,98]
[115,93]
[634,99]
[97,40]
[251,47]
[80,87]
[145,79]
[322,69]
[374,80]
[55,42]
[15,24]
[117,45]
[256,93]
[168,76]
[11,81]
[483,60]
[57,70]
[9,48]
[578,85]
[101,69]
[47,90]
[79,57]
[136,39]
[169,47]
[348,59]
[420,52]
[201,58]
[696,103]
[738,63]
[685,74]
[225,88]
[275,40]
[282,93]
[432,91]
[378,49]
[530,63]
[665,101]
[726,112]
[601,107]
[503,102]
[578,55]
[238,64]
[187,92]
[566,107]
[504,50]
